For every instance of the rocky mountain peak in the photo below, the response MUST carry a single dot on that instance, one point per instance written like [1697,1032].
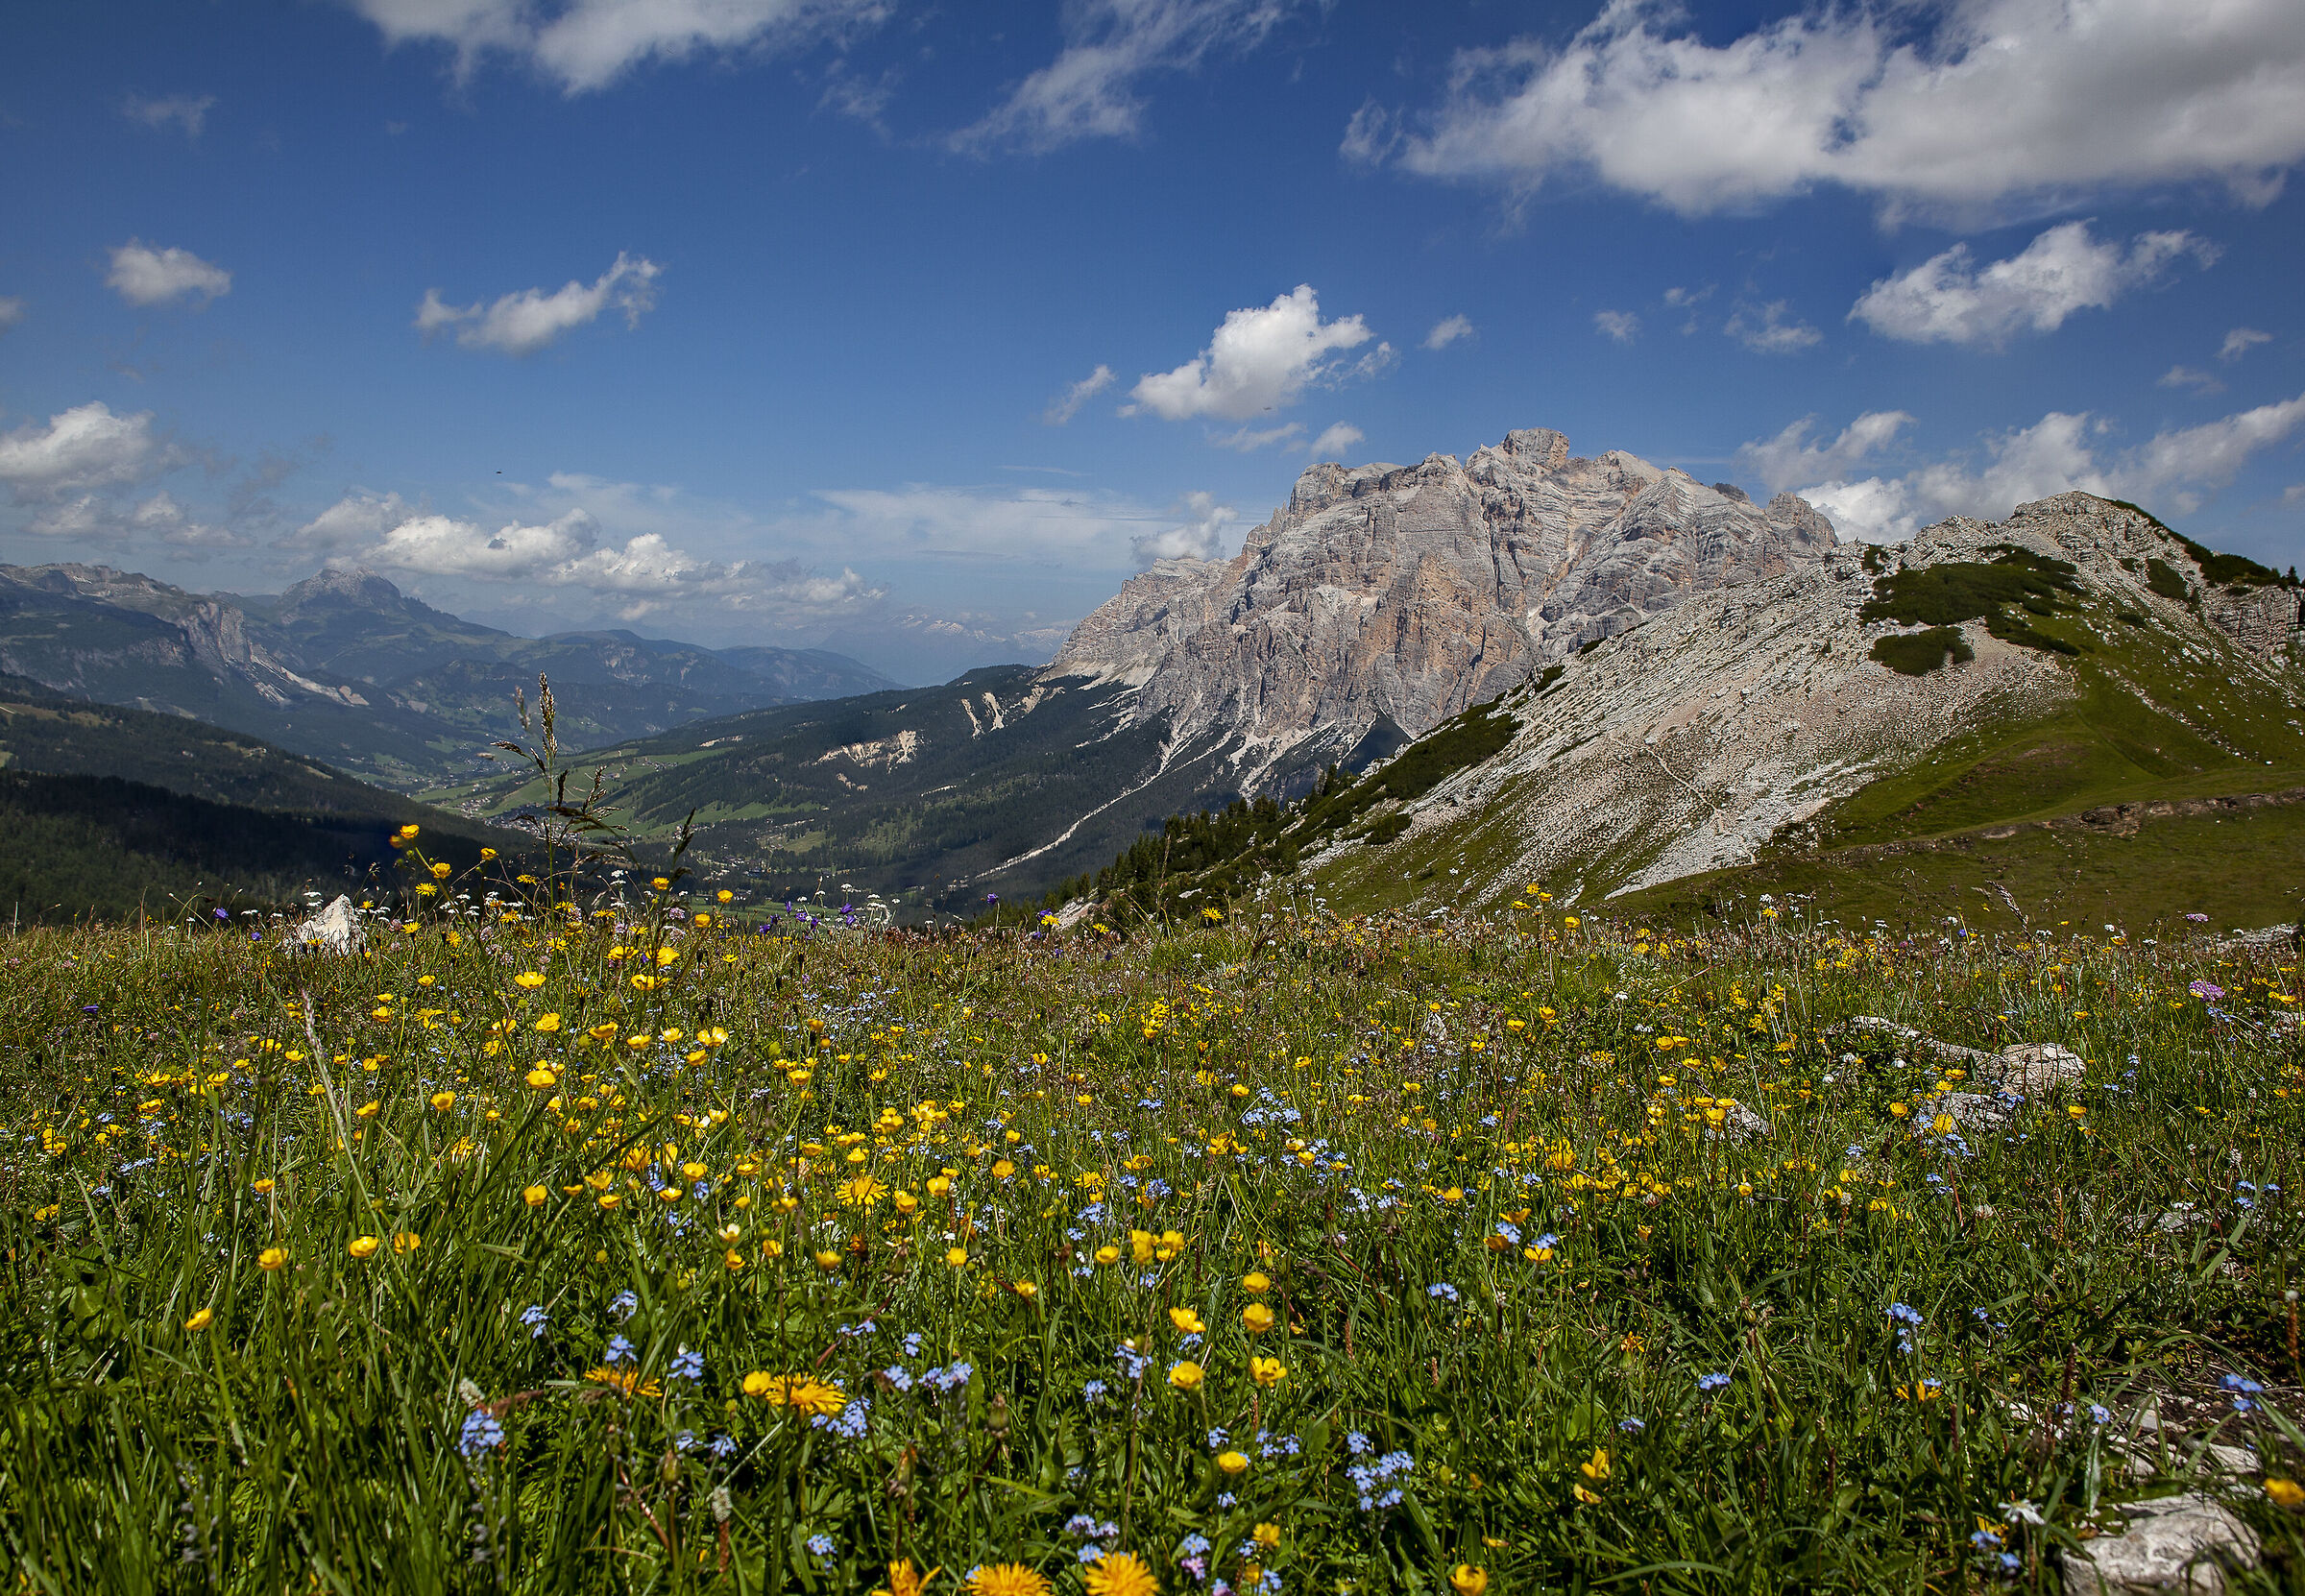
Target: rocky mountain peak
[1402,594]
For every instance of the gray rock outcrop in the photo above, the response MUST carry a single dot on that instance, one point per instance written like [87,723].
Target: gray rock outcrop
[2185,1544]
[1404,593]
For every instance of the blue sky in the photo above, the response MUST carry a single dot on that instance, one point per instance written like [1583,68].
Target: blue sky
[780,321]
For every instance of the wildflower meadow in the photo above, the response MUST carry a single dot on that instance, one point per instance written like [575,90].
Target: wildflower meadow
[589,1235]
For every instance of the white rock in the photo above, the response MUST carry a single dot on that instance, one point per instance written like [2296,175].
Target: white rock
[2175,1544]
[2038,1070]
[334,930]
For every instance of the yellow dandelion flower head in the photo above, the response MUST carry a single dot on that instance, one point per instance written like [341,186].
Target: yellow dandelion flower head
[1121,1574]
[1006,1579]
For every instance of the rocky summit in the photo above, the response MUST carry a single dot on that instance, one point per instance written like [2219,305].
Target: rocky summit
[1382,600]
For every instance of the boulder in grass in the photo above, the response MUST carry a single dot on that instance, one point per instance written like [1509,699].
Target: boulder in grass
[2038,1070]
[334,930]
[2175,1546]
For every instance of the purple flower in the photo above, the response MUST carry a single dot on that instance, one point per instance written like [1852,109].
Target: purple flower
[2207,990]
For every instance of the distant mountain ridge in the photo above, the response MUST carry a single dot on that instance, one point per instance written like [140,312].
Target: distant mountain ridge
[1374,604]
[345,666]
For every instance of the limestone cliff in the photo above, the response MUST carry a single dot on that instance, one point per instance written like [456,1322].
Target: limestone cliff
[1392,593]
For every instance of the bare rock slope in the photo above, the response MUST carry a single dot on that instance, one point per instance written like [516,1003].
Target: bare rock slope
[1401,594]
[1721,728]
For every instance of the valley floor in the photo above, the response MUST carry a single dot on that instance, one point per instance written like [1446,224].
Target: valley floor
[609,1247]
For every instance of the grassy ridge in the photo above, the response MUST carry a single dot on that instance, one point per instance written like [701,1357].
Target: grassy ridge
[605,1248]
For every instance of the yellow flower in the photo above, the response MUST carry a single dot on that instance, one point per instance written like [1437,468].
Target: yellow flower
[1266,1535]
[609,1199]
[828,1260]
[364,1247]
[666,955]
[541,1080]
[1255,1284]
[800,1391]
[1025,1290]
[1007,1579]
[1232,1462]
[1257,1318]
[535,1197]
[1469,1581]
[1588,1498]
[903,1580]
[272,1258]
[957,1257]
[1187,1322]
[407,1241]
[726,895]
[1121,1574]
[206,1317]
[528,979]
[1186,1376]
[440,872]
[262,1188]
[2285,1493]
[1268,1371]
[444,1101]
[548,1022]
[1109,1255]
[1596,1466]
[862,1191]
[488,853]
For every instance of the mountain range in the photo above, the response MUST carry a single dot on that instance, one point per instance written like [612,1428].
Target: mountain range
[1374,604]
[346,667]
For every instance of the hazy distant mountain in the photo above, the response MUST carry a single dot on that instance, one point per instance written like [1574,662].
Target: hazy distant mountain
[346,667]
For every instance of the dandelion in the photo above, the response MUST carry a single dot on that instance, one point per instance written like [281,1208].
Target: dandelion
[801,1393]
[903,1580]
[1121,1574]
[1005,1579]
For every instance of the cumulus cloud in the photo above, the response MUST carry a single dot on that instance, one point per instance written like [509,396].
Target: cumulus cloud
[1335,438]
[1956,105]
[355,520]
[188,111]
[1948,299]
[142,274]
[531,320]
[2175,470]
[1449,332]
[84,447]
[1261,358]
[1067,404]
[1209,532]
[161,516]
[1791,458]
[586,44]
[1620,325]
[1090,89]
[1763,329]
[2240,341]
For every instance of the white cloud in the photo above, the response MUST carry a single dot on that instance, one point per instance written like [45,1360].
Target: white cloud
[1041,524]
[2189,376]
[1620,325]
[588,44]
[86,517]
[1208,533]
[189,112]
[86,447]
[358,519]
[1246,440]
[1447,332]
[523,323]
[2175,470]
[1090,89]
[1066,405]
[1258,360]
[1335,438]
[2240,341]
[1946,299]
[1790,457]
[1763,329]
[11,311]
[142,274]
[1958,106]
[161,516]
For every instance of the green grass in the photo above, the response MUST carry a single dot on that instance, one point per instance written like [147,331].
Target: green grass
[1072,1145]
[1918,653]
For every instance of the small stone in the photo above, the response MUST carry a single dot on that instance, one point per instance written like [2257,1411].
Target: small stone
[2177,1545]
[334,930]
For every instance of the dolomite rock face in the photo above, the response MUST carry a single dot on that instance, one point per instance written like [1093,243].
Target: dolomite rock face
[1407,592]
[1734,719]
